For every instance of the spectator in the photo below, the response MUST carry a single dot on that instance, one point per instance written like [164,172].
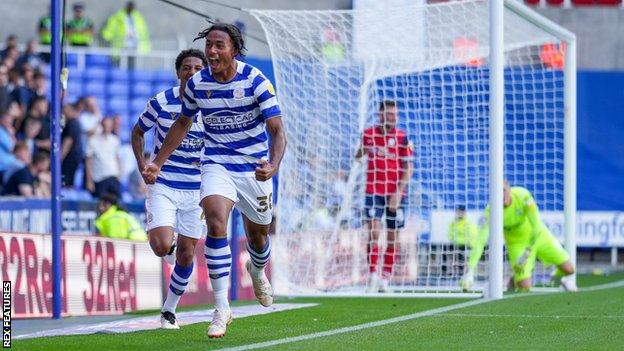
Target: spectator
[7,141]
[80,28]
[136,184]
[32,128]
[26,182]
[103,166]
[45,29]
[39,86]
[5,94]
[126,29]
[23,158]
[71,149]
[89,116]
[115,222]
[18,90]
[45,33]
[10,47]
[31,55]
[39,110]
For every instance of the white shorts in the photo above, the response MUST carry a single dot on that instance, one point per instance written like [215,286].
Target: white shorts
[253,198]
[167,207]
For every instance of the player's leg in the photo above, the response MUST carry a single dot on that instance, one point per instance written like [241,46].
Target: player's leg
[550,252]
[395,221]
[218,195]
[256,206]
[189,231]
[373,212]
[522,263]
[161,219]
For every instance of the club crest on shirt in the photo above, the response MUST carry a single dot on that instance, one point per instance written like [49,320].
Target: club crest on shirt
[239,93]
[270,88]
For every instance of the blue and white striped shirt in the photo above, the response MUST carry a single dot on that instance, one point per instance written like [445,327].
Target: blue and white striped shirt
[234,116]
[182,169]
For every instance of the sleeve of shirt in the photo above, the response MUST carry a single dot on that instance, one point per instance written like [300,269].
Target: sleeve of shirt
[189,102]
[148,118]
[478,245]
[532,213]
[264,92]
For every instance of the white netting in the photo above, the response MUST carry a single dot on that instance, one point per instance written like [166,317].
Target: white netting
[333,68]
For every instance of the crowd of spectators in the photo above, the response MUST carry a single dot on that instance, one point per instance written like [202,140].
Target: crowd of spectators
[91,151]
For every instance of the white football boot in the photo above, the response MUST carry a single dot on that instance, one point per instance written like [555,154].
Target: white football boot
[262,287]
[220,321]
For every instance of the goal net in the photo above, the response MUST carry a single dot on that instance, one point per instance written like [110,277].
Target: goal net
[334,68]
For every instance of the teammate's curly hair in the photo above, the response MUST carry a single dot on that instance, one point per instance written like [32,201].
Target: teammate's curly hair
[190,53]
[235,35]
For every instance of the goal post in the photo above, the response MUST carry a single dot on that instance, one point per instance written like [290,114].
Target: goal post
[333,68]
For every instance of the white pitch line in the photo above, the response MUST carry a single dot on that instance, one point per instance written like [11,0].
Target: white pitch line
[526,316]
[408,317]
[356,327]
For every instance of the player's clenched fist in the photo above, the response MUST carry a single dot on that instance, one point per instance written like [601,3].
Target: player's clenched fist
[265,170]
[150,173]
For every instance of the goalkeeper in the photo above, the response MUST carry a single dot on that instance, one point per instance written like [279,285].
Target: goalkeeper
[527,239]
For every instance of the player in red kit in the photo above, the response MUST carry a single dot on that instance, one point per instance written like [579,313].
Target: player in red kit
[388,173]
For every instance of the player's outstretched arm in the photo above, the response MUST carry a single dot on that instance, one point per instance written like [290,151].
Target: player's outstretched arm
[266,169]
[174,137]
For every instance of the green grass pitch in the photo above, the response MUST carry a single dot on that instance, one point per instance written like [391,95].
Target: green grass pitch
[589,320]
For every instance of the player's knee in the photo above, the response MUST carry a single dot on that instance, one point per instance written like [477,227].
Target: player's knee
[159,248]
[184,256]
[216,226]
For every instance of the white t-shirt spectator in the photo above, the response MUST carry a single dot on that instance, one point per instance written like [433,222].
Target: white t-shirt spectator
[104,151]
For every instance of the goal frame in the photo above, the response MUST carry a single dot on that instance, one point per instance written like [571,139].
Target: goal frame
[495,286]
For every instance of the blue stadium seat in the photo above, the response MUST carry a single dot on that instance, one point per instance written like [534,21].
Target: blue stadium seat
[117,89]
[141,76]
[75,74]
[157,88]
[95,88]
[137,105]
[96,73]
[97,61]
[72,60]
[118,75]
[142,90]
[163,76]
[74,88]
[117,105]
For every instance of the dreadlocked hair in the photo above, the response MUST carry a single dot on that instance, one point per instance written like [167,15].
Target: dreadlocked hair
[235,35]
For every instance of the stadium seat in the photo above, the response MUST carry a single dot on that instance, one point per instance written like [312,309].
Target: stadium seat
[76,75]
[137,104]
[532,2]
[97,61]
[116,89]
[141,90]
[163,76]
[96,74]
[74,87]
[71,60]
[118,75]
[141,76]
[95,88]
[157,88]
[117,105]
